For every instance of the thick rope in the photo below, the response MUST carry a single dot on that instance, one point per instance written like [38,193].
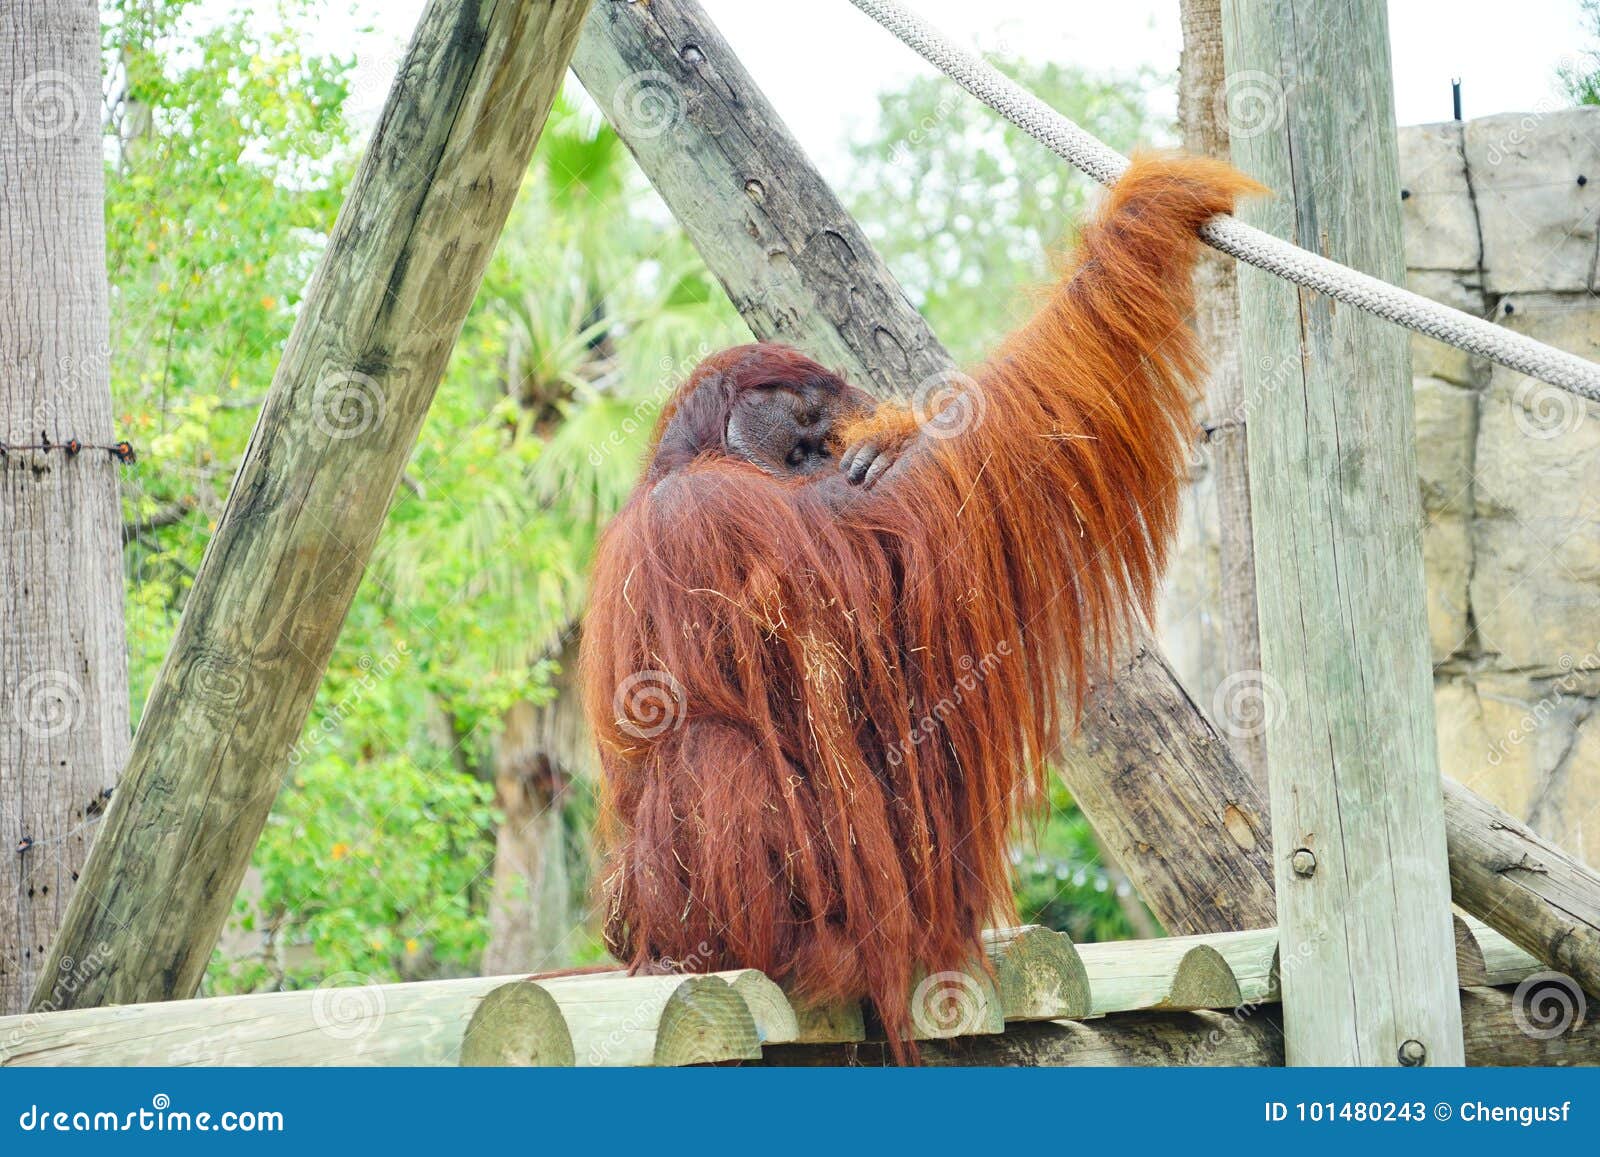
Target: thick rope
[1229,234]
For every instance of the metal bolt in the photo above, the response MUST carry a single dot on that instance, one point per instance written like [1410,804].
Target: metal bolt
[1303,862]
[1412,1053]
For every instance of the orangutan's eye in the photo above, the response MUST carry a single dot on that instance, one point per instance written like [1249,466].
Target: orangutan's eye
[797,455]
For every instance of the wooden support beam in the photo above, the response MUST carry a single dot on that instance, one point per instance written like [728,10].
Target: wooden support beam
[367,351]
[419,1024]
[1492,1037]
[1363,886]
[1525,887]
[1156,780]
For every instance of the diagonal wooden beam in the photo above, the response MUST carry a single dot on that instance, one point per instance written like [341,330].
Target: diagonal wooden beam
[374,333]
[1158,783]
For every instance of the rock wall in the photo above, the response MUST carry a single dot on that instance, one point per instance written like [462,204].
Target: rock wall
[1500,220]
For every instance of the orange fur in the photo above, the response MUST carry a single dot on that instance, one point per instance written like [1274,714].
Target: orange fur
[863,693]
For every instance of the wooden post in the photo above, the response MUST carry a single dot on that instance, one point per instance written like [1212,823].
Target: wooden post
[1368,950]
[1155,779]
[374,333]
[63,648]
[1203,117]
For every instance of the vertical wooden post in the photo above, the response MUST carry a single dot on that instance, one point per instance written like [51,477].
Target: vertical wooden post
[374,333]
[1357,814]
[63,649]
[1203,116]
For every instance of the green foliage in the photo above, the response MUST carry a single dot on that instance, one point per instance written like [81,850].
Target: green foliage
[1580,78]
[1061,880]
[965,207]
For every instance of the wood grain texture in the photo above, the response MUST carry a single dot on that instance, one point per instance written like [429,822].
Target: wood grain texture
[1203,110]
[1202,1039]
[1521,885]
[422,1023]
[402,265]
[1152,775]
[1180,973]
[63,657]
[1367,945]
[1038,973]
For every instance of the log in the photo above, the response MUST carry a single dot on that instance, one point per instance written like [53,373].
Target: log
[1181,973]
[418,1024]
[774,1016]
[1523,886]
[1154,778]
[952,1004]
[829,1023]
[1253,958]
[1203,1039]
[511,1027]
[1038,973]
[1362,881]
[618,1021]
[372,339]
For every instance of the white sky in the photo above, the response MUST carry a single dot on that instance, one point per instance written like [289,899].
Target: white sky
[822,62]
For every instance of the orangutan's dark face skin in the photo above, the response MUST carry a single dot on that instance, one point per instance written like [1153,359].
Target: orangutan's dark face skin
[790,429]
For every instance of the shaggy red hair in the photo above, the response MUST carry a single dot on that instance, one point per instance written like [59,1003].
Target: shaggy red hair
[855,699]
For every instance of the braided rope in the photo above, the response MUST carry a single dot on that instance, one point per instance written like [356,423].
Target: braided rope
[1229,234]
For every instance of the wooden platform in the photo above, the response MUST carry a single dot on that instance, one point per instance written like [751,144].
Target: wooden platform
[1041,1000]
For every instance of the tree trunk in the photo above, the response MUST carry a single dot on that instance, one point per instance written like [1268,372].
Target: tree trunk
[530,909]
[63,656]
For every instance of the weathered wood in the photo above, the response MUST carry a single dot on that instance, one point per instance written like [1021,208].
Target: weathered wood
[829,1023]
[1203,1039]
[1164,790]
[1524,887]
[1253,958]
[1498,960]
[952,1004]
[516,1025]
[618,1021]
[392,1024]
[1155,779]
[1203,112]
[1470,968]
[63,649]
[774,1016]
[1038,973]
[1180,973]
[374,333]
[1362,883]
